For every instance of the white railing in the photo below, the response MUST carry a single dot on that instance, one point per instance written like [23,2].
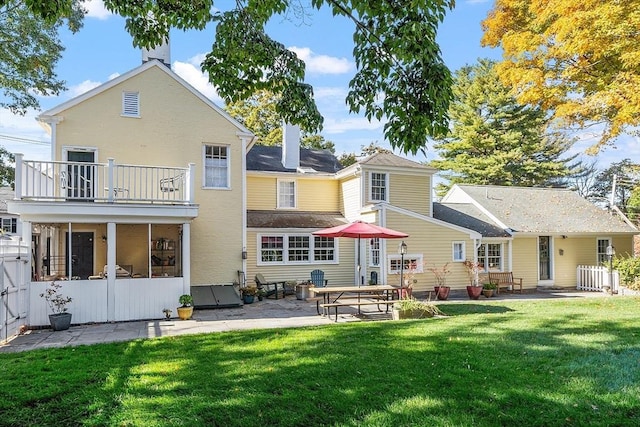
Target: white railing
[103,182]
[595,278]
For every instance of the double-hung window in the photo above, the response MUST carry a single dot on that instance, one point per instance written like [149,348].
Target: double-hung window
[490,256]
[286,194]
[412,264]
[602,251]
[296,249]
[458,251]
[374,252]
[216,166]
[378,185]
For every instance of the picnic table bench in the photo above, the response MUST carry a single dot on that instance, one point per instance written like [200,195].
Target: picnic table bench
[505,279]
[327,306]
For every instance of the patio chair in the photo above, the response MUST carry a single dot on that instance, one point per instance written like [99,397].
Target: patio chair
[318,280]
[263,284]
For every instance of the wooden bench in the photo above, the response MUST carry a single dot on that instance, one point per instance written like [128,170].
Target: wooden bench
[505,279]
[327,306]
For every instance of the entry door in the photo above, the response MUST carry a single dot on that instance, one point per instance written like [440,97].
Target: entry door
[80,178]
[544,255]
[81,254]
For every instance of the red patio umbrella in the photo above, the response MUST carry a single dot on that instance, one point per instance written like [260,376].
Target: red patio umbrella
[358,230]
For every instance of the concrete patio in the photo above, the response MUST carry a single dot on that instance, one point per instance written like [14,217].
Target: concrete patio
[282,313]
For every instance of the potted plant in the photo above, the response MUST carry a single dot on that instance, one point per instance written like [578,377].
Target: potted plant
[411,308]
[185,311]
[248,294]
[473,268]
[261,294]
[60,319]
[441,288]
[489,288]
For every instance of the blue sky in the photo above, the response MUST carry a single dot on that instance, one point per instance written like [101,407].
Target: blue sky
[103,50]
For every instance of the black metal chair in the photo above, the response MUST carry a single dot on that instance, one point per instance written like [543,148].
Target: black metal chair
[263,284]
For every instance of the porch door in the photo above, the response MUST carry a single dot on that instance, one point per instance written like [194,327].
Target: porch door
[80,177]
[81,254]
[544,255]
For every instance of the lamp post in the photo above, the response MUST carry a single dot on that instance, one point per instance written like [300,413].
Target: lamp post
[402,249]
[610,252]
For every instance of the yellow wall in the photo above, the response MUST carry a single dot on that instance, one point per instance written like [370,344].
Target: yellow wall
[525,260]
[435,243]
[412,192]
[350,197]
[171,131]
[313,194]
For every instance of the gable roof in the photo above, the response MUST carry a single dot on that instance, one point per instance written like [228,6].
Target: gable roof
[390,159]
[265,158]
[48,116]
[467,215]
[537,210]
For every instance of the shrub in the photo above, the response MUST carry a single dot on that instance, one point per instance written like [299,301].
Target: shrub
[629,270]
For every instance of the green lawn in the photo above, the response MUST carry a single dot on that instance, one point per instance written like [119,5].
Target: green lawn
[570,362]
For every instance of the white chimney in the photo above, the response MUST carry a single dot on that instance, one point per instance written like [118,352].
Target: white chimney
[291,146]
[161,53]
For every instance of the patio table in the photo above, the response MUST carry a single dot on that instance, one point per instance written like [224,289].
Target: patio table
[337,296]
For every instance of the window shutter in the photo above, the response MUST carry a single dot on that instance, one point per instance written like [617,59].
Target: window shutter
[131,104]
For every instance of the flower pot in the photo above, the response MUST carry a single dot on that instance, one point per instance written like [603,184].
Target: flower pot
[442,292]
[397,314]
[60,321]
[248,299]
[487,292]
[302,291]
[185,313]
[474,292]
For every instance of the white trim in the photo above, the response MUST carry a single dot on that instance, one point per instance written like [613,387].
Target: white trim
[369,196]
[453,250]
[419,261]
[295,193]
[285,249]
[204,167]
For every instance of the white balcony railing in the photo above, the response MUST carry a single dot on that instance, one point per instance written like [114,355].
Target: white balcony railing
[103,182]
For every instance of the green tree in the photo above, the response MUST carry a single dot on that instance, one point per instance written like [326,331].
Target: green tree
[347,159]
[372,149]
[400,74]
[31,49]
[626,177]
[496,140]
[578,59]
[7,171]
[258,114]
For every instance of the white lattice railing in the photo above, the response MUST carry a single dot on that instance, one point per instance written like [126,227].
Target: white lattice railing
[595,277]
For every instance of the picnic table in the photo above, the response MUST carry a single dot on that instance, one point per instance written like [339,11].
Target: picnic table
[350,296]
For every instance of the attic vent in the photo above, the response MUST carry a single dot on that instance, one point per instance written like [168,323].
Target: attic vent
[306,170]
[131,104]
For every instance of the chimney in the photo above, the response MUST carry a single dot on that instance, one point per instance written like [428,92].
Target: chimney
[161,53]
[291,146]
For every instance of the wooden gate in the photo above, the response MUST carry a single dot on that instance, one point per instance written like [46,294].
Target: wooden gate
[14,276]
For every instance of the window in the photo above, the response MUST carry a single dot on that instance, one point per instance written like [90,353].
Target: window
[286,194]
[374,252]
[216,166]
[271,248]
[378,187]
[10,225]
[131,104]
[412,263]
[458,251]
[296,248]
[602,251]
[490,256]
[324,249]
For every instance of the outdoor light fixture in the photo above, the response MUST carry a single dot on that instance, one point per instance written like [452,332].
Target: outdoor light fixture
[610,252]
[402,249]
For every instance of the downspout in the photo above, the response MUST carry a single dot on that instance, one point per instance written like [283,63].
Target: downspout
[247,140]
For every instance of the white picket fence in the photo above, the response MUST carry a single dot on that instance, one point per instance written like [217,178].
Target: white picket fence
[594,278]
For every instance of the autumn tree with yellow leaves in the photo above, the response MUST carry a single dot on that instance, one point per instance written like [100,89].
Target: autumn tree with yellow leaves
[579,59]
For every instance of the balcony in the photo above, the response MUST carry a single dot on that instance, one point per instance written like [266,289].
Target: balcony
[109,182]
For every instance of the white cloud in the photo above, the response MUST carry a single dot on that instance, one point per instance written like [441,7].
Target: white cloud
[96,9]
[81,88]
[322,64]
[197,79]
[113,76]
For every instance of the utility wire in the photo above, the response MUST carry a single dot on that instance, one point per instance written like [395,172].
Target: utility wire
[22,140]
